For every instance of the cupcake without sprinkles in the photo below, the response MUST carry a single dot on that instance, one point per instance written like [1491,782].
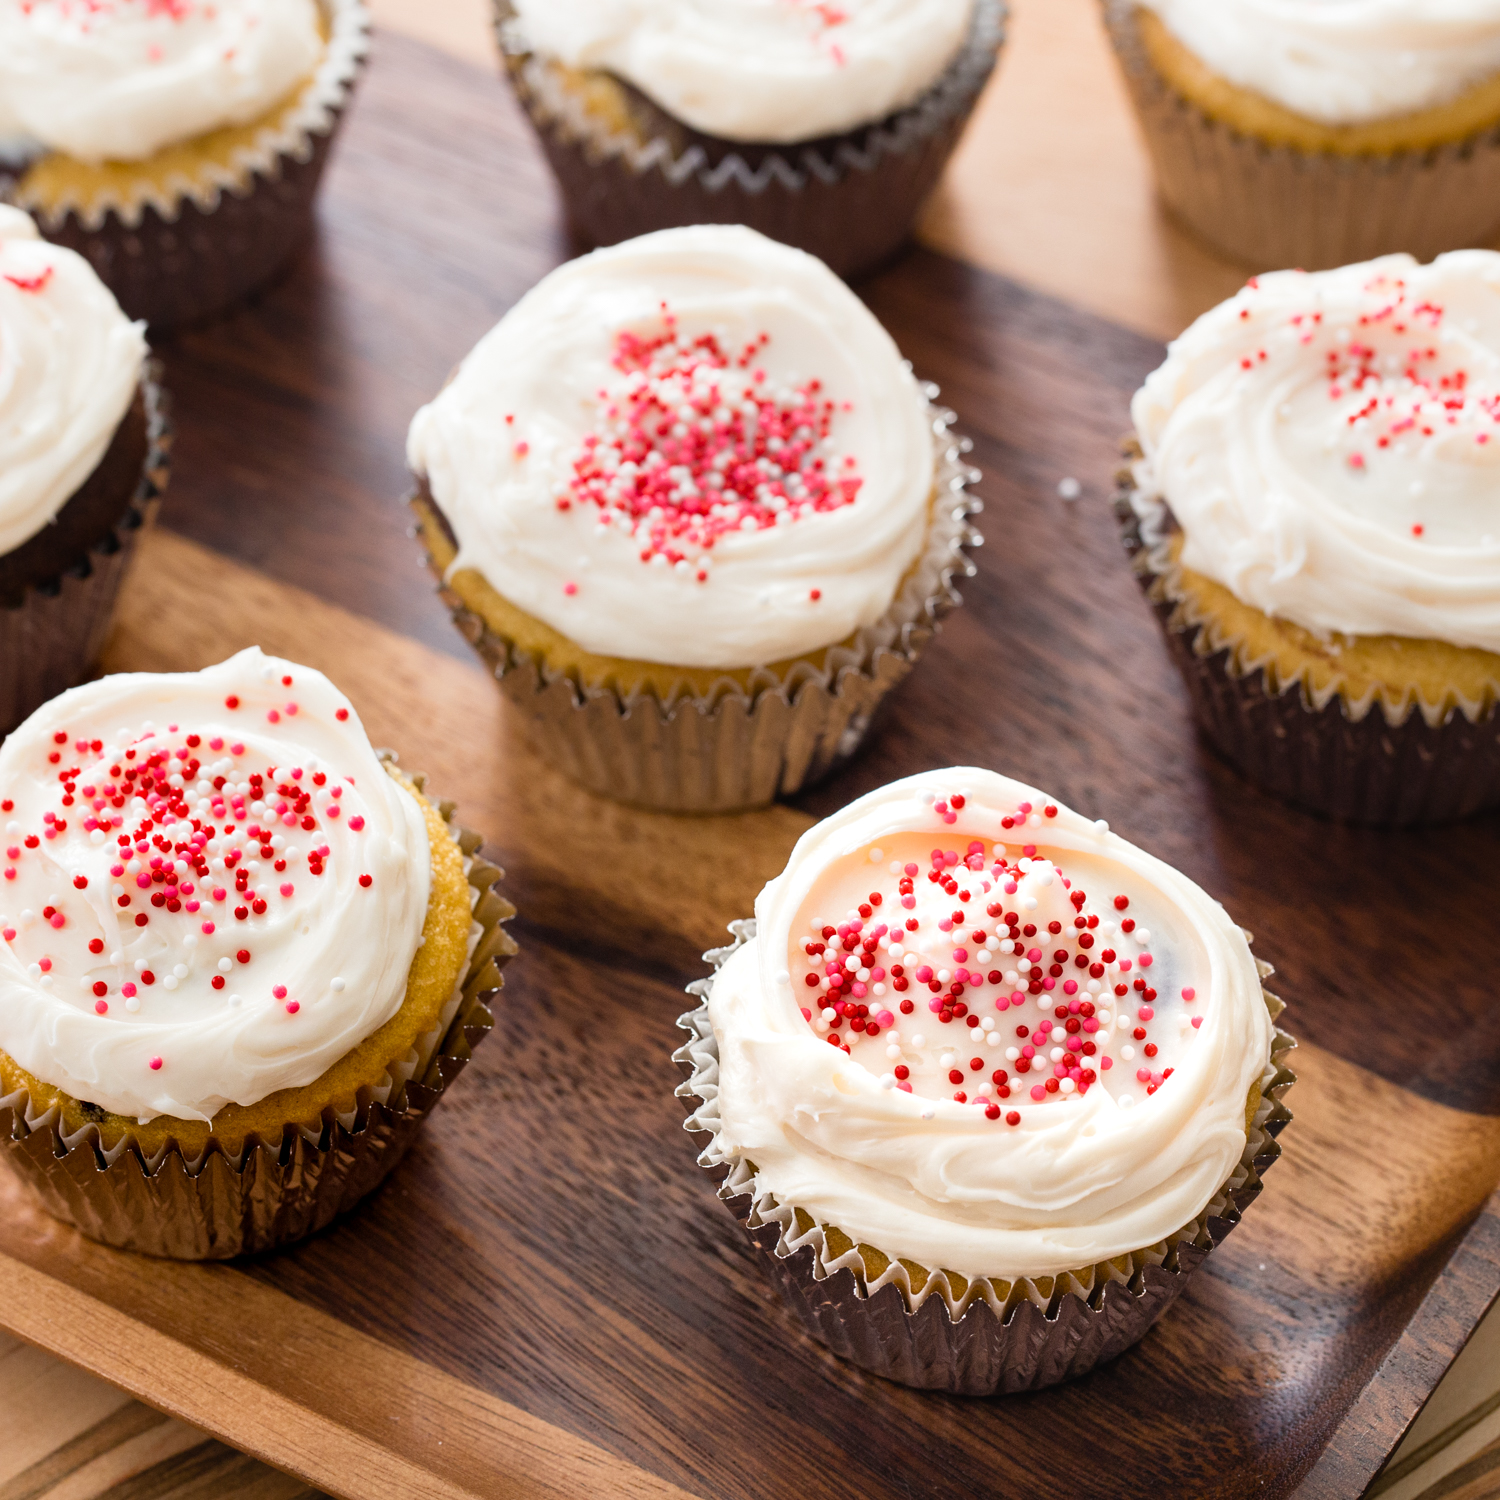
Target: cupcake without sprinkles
[984,1082]
[233,944]
[1314,515]
[690,504]
[823,126]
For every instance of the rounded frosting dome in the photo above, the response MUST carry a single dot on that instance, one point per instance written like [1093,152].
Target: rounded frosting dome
[978,1031]
[1329,444]
[70,362]
[1343,62]
[758,70]
[697,448]
[120,79]
[210,888]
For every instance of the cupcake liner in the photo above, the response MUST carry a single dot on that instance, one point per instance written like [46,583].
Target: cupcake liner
[1377,759]
[966,1337]
[849,199]
[1275,206]
[187,252]
[734,749]
[273,1192]
[52,635]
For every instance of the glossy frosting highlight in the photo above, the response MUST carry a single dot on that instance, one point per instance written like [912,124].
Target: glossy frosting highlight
[120,79]
[696,448]
[70,362]
[206,930]
[1343,62]
[870,1134]
[771,71]
[1330,446]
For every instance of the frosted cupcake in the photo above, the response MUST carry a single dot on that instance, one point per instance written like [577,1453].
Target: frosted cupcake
[689,503]
[823,126]
[1315,518]
[83,447]
[1291,134]
[176,146]
[984,1082]
[234,946]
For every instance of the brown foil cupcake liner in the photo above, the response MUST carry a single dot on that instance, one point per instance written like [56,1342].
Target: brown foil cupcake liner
[849,199]
[52,635]
[735,749]
[274,1192]
[966,1337]
[192,250]
[1371,760]
[1274,206]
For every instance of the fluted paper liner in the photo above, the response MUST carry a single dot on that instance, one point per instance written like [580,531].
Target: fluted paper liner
[184,252]
[733,749]
[1271,207]
[849,199]
[968,1337]
[51,637]
[274,1192]
[1378,759]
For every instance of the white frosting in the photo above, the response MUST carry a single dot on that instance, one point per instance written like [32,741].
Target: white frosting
[1329,444]
[120,79]
[326,955]
[743,567]
[995,1186]
[70,362]
[1342,62]
[759,70]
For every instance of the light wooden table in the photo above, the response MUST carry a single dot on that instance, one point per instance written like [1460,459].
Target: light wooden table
[1050,188]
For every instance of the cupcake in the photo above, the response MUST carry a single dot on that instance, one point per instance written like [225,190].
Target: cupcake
[241,955]
[983,1082]
[688,502]
[823,126]
[1312,135]
[83,456]
[1312,511]
[176,146]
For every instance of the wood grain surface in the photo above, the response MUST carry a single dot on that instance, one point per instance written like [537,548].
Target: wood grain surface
[545,1299]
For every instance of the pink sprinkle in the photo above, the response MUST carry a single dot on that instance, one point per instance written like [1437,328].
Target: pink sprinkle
[101,1007]
[1145,1013]
[1038,1092]
[292,1007]
[117,870]
[9,934]
[1049,983]
[570,589]
[356,823]
[885,1018]
[1010,887]
[236,748]
[1189,994]
[1070,987]
[58,919]
[208,929]
[279,991]
[127,989]
[1197,1022]
[156,1064]
[332,810]
[216,743]
[291,710]
[1143,1075]
[1145,960]
[272,717]
[192,907]
[1106,1062]
[287,888]
[219,893]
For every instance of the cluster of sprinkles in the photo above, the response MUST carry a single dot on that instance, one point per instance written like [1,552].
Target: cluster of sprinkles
[989,979]
[1390,377]
[697,443]
[192,850]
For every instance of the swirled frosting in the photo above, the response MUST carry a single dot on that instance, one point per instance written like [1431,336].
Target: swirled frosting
[119,79]
[70,362]
[1342,62]
[980,1032]
[759,70]
[696,448]
[210,888]
[1330,445]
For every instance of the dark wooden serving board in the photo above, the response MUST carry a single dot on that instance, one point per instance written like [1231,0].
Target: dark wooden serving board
[546,1300]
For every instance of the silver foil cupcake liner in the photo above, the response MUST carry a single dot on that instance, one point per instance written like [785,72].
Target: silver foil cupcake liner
[273,1192]
[952,1334]
[1270,207]
[189,252]
[849,199]
[52,635]
[1374,760]
[735,749]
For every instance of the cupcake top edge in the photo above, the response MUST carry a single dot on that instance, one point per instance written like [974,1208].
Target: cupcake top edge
[121,79]
[763,71]
[70,362]
[978,1031]
[696,448]
[210,889]
[1329,444]
[1342,62]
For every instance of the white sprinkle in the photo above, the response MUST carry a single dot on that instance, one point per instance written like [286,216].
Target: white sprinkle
[1058,1054]
[1127,1053]
[828,1013]
[1126,1100]
[918,1040]
[225,965]
[1066,1085]
[1101,826]
[893,1052]
[783,977]
[1069,488]
[170,982]
[888,1080]
[133,1004]
[895,867]
[180,971]
[336,985]
[876,855]
[234,1000]
[928,1113]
